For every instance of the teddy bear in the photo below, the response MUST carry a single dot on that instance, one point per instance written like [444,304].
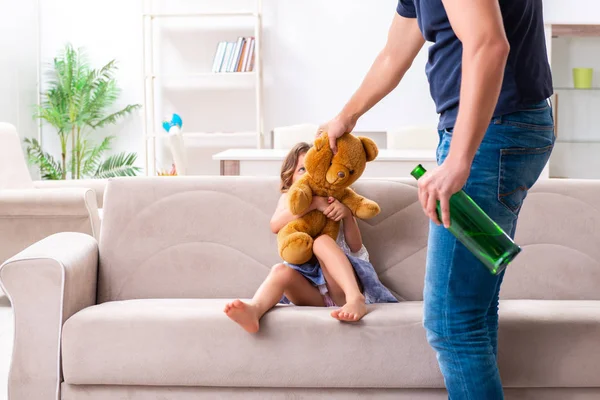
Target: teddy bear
[327,175]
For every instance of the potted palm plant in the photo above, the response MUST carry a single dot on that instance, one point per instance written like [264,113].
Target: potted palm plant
[80,100]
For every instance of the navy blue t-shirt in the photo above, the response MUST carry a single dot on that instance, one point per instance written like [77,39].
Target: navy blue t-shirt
[527,77]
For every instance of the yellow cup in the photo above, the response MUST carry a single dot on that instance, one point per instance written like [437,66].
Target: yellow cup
[582,78]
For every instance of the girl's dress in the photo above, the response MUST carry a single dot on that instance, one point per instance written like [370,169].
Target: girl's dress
[373,290]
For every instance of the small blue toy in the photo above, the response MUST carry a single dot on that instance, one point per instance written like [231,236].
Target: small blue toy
[173,128]
[175,120]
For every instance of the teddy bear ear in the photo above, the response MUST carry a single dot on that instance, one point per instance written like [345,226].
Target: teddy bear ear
[370,148]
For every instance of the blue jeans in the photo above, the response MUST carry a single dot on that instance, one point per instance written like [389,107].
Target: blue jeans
[461,295]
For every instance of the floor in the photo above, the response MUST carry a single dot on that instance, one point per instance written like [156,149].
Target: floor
[6,335]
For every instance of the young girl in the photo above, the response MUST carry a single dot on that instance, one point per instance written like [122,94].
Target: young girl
[335,278]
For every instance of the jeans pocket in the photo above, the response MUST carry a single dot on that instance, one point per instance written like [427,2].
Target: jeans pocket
[519,169]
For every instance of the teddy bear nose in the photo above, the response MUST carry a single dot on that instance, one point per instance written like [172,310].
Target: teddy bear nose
[341,174]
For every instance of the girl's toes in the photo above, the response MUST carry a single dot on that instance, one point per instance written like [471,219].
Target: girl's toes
[237,303]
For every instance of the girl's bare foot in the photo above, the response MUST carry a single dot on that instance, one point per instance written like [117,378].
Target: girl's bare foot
[244,314]
[352,311]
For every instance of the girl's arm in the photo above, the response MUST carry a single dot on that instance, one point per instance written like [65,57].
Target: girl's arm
[282,215]
[338,211]
[352,234]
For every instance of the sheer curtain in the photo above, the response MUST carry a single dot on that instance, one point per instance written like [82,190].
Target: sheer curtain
[19,40]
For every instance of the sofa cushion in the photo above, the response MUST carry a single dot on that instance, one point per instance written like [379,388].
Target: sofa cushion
[190,342]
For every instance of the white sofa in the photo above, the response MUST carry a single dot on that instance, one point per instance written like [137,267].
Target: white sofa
[139,315]
[31,210]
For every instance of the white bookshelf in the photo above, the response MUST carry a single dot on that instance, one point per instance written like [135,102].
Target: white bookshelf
[198,81]
[575,153]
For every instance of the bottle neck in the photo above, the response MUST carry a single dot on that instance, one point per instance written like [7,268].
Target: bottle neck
[418,171]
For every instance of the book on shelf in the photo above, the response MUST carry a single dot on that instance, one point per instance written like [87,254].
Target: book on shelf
[240,62]
[219,55]
[249,61]
[230,47]
[235,56]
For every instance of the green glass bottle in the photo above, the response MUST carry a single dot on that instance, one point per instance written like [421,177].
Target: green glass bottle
[477,231]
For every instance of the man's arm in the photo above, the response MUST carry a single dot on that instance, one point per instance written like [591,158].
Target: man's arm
[479,26]
[403,43]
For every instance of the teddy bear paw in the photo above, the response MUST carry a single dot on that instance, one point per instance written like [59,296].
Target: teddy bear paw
[297,248]
[368,209]
[299,201]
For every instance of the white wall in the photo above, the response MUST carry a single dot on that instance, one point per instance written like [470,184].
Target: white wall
[572,11]
[108,30]
[315,55]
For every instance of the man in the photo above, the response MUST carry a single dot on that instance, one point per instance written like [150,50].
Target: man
[490,80]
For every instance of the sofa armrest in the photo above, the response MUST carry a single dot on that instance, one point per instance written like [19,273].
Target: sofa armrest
[97,185]
[46,283]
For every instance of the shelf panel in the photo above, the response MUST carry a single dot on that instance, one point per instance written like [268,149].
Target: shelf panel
[209,80]
[202,15]
[240,26]
[216,139]
[575,30]
[592,89]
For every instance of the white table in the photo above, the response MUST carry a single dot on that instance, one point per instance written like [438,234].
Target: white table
[267,162]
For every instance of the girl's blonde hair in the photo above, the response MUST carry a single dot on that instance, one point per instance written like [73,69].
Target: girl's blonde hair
[289,165]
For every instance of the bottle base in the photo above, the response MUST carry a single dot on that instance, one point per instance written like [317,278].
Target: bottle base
[504,260]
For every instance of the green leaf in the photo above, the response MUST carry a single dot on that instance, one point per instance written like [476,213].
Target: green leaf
[93,155]
[79,99]
[114,117]
[49,168]
[118,165]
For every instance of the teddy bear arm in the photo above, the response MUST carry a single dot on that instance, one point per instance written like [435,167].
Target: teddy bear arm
[299,197]
[360,206]
[351,200]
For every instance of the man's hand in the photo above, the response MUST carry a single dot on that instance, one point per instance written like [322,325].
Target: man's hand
[335,129]
[440,184]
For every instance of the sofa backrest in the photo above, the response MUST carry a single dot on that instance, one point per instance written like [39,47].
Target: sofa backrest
[209,237]
[13,167]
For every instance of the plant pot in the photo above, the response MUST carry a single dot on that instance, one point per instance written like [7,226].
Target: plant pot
[582,78]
